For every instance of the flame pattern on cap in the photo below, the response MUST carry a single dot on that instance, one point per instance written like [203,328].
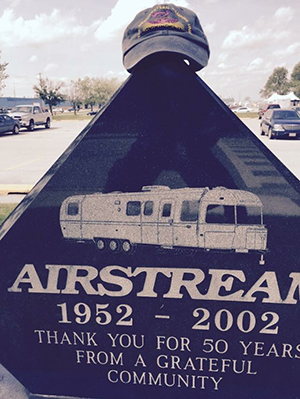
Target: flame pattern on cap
[164,17]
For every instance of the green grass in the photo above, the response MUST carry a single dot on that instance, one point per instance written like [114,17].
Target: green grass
[69,116]
[247,114]
[5,210]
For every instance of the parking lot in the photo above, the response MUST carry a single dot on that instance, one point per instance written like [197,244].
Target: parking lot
[287,150]
[26,157]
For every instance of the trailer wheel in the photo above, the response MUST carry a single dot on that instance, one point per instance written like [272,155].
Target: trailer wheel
[126,246]
[161,251]
[176,251]
[101,244]
[189,251]
[114,246]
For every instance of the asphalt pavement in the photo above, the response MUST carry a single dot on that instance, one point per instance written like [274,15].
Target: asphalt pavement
[26,157]
[287,150]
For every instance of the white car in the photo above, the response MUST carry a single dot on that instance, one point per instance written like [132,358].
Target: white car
[57,110]
[242,109]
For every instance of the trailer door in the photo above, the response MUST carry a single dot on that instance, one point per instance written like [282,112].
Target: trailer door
[149,222]
[70,219]
[165,222]
[219,228]
[250,232]
[186,230]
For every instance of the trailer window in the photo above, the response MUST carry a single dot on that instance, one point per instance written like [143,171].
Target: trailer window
[133,208]
[148,208]
[166,211]
[248,215]
[73,208]
[189,211]
[223,214]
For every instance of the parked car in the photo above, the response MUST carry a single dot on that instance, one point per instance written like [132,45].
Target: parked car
[297,109]
[261,112]
[57,110]
[8,124]
[242,110]
[280,123]
[92,113]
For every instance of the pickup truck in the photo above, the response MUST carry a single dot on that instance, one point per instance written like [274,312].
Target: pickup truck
[30,116]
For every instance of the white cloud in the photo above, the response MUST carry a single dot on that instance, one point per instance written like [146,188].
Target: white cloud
[64,79]
[250,38]
[255,64]
[222,57]
[209,28]
[13,3]
[85,47]
[33,58]
[43,28]
[119,75]
[290,50]
[284,14]
[123,13]
[263,33]
[50,67]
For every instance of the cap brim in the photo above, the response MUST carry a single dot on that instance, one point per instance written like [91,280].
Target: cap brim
[167,43]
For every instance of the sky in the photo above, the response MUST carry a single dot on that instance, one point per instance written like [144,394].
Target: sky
[69,39]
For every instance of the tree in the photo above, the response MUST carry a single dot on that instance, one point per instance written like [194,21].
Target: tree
[49,92]
[277,83]
[3,74]
[104,89]
[74,95]
[94,91]
[295,79]
[87,93]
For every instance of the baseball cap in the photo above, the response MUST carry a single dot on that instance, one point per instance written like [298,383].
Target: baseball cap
[165,28]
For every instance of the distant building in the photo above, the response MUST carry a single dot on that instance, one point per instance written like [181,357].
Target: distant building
[10,102]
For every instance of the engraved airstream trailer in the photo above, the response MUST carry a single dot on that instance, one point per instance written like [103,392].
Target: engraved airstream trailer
[185,218]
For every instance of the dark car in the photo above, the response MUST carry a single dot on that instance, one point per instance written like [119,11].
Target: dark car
[297,109]
[8,124]
[280,123]
[261,112]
